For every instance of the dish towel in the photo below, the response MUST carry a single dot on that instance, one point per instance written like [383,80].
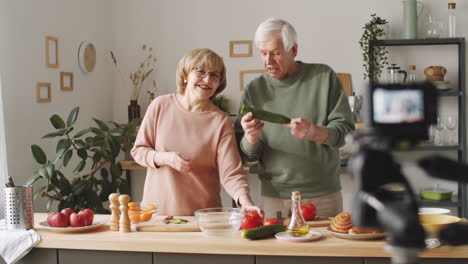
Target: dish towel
[15,244]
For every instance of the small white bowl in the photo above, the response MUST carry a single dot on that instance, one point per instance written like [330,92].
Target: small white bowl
[429,210]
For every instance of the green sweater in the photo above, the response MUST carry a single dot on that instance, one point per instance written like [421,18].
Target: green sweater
[287,163]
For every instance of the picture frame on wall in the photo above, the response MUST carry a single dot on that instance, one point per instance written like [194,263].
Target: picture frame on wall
[240,48]
[43,92]
[66,81]
[52,52]
[245,76]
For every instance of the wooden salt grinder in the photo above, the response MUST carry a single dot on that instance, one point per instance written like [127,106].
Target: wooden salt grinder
[124,218]
[114,206]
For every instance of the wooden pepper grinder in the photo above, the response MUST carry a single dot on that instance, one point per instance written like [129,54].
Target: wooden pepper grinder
[124,218]
[114,206]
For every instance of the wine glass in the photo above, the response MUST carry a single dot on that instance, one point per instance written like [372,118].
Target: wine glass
[439,127]
[451,124]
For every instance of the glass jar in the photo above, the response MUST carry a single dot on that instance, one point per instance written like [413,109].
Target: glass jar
[452,20]
[434,27]
[412,73]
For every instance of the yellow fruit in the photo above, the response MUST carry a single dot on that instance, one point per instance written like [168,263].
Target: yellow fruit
[145,217]
[134,218]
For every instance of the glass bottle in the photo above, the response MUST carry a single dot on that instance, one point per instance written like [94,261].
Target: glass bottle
[452,20]
[412,74]
[297,226]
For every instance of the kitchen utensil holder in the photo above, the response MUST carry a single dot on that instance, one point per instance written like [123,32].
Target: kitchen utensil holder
[19,207]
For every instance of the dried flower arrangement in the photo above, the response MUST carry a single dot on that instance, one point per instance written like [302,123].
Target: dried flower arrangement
[143,71]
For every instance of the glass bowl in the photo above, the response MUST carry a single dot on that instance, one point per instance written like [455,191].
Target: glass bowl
[139,212]
[220,221]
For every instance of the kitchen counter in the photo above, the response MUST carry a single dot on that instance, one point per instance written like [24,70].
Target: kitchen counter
[102,239]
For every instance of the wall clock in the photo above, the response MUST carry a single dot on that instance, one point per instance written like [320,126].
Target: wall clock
[87,56]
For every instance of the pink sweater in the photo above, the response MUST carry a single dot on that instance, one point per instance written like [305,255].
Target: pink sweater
[207,138]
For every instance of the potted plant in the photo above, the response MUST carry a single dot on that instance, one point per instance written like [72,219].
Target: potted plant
[96,173]
[138,77]
[222,102]
[376,60]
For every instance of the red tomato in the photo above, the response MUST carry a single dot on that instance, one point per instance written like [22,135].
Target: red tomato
[251,220]
[308,211]
[271,221]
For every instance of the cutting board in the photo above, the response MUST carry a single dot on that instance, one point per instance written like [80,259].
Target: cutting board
[318,221]
[345,79]
[156,224]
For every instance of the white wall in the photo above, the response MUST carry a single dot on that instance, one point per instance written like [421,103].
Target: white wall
[25,24]
[329,32]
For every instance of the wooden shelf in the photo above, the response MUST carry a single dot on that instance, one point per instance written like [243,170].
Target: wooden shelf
[131,165]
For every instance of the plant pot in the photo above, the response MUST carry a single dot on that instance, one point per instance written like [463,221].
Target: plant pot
[133,110]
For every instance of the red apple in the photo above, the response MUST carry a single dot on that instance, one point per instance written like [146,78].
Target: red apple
[49,218]
[88,214]
[67,212]
[77,220]
[57,220]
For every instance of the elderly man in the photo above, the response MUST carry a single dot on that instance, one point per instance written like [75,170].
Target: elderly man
[302,155]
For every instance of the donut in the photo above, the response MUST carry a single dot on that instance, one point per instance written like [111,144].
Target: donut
[341,223]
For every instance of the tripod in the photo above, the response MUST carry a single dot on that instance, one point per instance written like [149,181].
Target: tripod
[384,199]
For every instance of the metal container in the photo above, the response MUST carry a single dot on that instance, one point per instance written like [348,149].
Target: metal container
[436,194]
[19,207]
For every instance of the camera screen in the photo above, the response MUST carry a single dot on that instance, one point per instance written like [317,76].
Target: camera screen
[398,106]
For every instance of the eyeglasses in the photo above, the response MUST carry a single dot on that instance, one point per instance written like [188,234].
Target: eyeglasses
[202,73]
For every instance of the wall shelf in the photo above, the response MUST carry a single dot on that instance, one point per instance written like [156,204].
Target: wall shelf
[131,165]
[460,201]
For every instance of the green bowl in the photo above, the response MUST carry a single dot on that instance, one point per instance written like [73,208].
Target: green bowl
[435,194]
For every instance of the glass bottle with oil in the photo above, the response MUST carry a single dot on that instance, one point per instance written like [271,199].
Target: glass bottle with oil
[297,226]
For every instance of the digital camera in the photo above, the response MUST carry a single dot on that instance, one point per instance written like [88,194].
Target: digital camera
[402,111]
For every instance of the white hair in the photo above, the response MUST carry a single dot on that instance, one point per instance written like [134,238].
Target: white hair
[274,26]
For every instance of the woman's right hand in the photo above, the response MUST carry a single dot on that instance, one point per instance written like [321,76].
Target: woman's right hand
[174,160]
[252,128]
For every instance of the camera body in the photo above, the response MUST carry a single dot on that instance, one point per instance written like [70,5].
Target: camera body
[401,112]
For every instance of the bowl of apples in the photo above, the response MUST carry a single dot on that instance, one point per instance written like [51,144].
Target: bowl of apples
[68,220]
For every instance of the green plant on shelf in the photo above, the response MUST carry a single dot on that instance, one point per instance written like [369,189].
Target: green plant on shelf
[96,173]
[373,62]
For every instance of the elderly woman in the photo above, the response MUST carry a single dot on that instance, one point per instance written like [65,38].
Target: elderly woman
[188,144]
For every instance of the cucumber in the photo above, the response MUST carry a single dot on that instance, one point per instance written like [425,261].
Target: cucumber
[262,231]
[265,115]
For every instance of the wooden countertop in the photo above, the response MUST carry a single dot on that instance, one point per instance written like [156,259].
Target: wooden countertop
[197,242]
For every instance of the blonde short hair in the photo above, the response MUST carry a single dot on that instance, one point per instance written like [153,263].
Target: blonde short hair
[199,58]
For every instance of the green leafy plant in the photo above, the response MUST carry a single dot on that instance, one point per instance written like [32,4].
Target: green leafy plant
[99,148]
[373,62]
[221,102]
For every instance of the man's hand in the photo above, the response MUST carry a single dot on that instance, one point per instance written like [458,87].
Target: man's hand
[252,128]
[304,129]
[173,159]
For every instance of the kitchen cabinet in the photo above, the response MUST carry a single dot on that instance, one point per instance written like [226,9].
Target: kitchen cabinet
[67,256]
[460,201]
[104,246]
